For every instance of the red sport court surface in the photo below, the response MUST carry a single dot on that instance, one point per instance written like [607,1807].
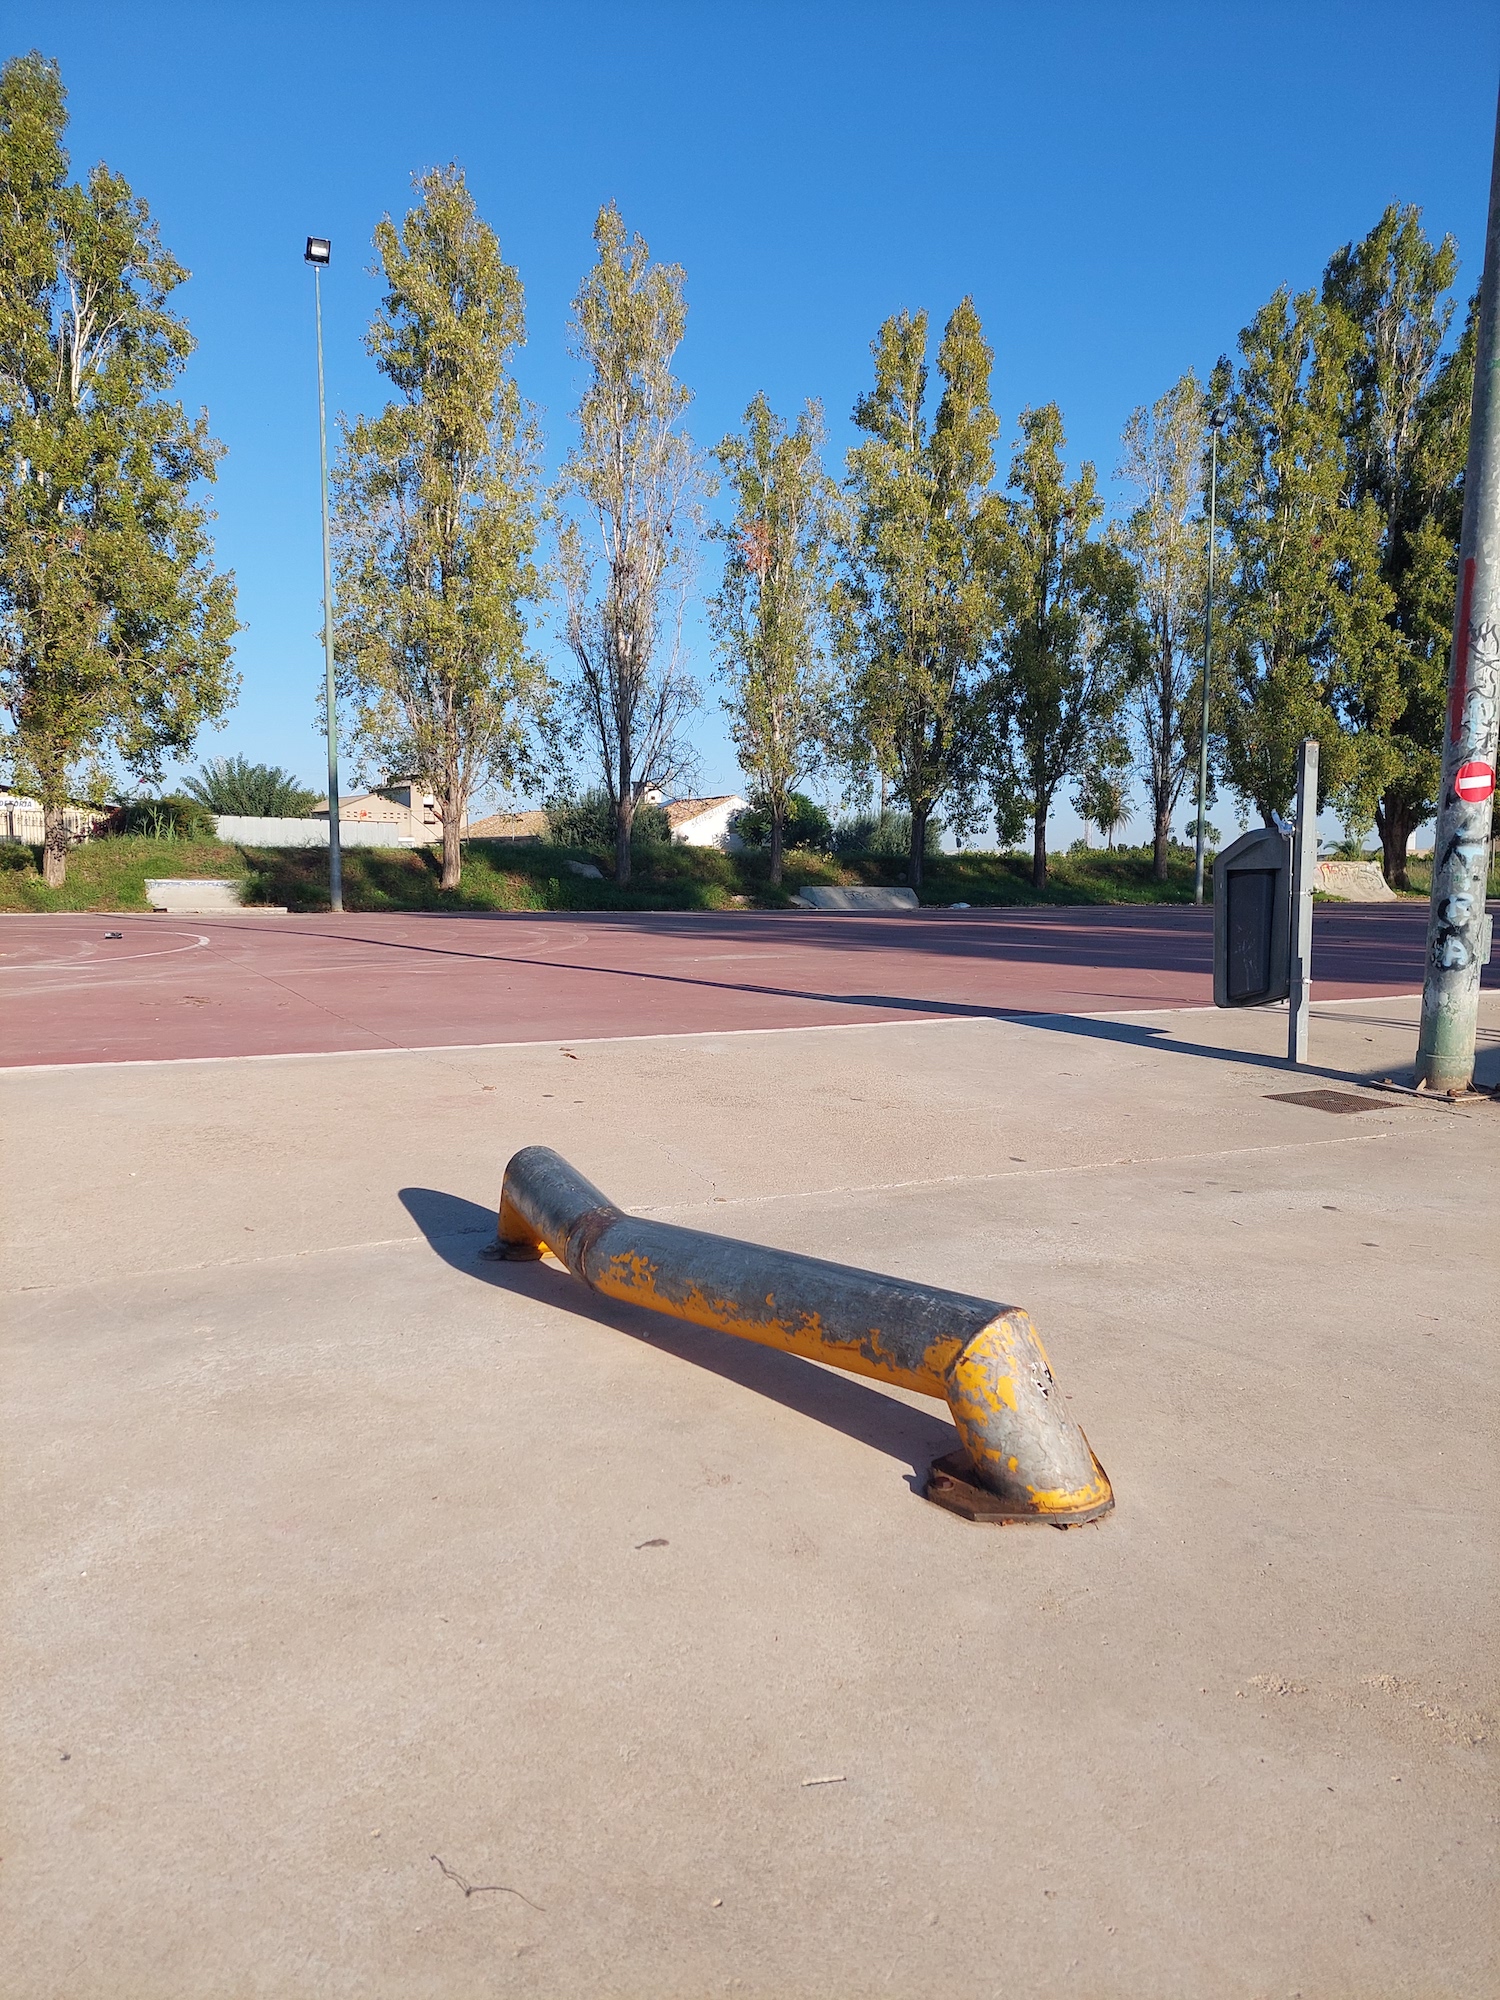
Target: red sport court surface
[172,988]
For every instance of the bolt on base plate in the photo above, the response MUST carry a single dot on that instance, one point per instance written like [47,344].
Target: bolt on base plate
[951,1484]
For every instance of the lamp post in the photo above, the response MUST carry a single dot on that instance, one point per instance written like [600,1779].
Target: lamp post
[317,254]
[1216,422]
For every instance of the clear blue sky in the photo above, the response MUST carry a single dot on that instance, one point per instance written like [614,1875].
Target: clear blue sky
[1119,186]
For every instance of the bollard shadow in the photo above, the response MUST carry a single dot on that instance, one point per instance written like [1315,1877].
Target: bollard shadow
[460,1231]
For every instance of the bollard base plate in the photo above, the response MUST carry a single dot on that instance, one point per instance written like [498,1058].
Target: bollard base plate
[951,1484]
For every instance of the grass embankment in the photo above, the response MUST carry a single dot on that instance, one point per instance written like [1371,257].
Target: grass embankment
[111,875]
[501,875]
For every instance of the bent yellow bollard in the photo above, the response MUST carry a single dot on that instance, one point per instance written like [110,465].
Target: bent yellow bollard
[1024,1458]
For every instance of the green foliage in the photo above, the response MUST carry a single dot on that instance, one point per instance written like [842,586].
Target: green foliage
[115,631]
[500,875]
[1211,835]
[884,834]
[917,608]
[265,791]
[587,819]
[633,479]
[1405,429]
[169,818]
[805,824]
[1307,611]
[1103,798]
[1164,539]
[770,615]
[437,519]
[1071,645]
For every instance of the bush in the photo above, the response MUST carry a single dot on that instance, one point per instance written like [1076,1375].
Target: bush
[169,818]
[883,833]
[807,825]
[587,819]
[233,785]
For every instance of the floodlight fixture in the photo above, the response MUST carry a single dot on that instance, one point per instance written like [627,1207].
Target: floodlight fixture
[318,250]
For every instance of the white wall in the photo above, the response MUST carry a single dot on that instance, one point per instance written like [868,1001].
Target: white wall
[246,830]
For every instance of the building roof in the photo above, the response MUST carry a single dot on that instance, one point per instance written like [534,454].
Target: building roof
[681,811]
[508,826]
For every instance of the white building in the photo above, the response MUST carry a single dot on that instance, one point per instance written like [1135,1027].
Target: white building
[706,822]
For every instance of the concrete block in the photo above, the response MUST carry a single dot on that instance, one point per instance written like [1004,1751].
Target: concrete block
[1354,881]
[182,896]
[857,899]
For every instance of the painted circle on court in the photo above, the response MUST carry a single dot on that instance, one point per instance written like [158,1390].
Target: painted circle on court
[1474,782]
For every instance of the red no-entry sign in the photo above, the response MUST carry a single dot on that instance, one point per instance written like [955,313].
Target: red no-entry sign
[1474,782]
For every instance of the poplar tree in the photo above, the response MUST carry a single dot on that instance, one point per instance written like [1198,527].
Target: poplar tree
[1306,609]
[115,630]
[437,519]
[633,480]
[770,614]
[1164,537]
[1070,644]
[1405,429]
[918,604]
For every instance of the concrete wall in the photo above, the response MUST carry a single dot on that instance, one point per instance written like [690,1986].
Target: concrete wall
[712,828]
[246,830]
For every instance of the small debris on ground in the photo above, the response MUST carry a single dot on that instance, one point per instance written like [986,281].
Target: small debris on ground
[656,1542]
[838,1780]
[482,1888]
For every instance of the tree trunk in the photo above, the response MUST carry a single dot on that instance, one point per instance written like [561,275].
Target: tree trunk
[55,844]
[1396,822]
[778,839]
[918,848]
[624,818]
[453,854]
[1039,851]
[1161,833]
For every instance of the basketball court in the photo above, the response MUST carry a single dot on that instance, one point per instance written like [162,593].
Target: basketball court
[150,989]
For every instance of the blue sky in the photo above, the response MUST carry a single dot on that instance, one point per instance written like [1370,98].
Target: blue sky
[1118,186]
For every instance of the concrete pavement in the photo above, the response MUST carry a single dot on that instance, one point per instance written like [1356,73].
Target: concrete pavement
[333,1549]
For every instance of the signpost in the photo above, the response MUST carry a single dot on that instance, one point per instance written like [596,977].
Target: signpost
[1304,868]
[1457,926]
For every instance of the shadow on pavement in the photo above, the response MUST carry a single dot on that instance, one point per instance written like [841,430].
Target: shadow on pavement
[459,1231]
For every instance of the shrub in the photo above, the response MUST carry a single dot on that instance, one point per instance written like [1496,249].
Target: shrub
[886,834]
[587,819]
[169,818]
[807,825]
[233,785]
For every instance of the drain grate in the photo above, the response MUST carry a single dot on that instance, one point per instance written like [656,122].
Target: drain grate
[1329,1100]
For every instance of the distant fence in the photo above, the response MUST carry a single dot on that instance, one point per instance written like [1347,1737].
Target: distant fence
[28,823]
[247,830]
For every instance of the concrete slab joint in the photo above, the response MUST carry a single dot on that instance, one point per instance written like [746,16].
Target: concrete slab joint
[1024,1458]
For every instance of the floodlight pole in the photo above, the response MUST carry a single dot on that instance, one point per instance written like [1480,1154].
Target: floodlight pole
[1457,927]
[1304,866]
[1215,425]
[335,852]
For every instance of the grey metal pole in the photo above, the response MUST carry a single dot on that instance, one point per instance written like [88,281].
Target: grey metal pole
[1214,423]
[1461,850]
[335,852]
[1304,866]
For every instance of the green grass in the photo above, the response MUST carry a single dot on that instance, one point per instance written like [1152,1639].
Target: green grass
[502,875]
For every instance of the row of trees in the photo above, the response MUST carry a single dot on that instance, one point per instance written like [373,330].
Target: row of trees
[961,644]
[919,627]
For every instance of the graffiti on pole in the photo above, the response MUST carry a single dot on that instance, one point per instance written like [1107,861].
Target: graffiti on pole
[1462,863]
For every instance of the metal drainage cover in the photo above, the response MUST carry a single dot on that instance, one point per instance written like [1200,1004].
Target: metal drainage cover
[1329,1100]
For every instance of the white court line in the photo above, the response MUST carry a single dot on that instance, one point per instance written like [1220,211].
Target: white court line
[199,939]
[999,1018]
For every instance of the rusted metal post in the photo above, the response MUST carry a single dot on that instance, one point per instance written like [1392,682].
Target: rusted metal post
[1456,927]
[1304,868]
[1027,1460]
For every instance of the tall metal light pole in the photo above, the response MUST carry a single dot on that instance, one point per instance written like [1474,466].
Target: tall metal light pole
[317,254]
[1216,420]
[1457,927]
